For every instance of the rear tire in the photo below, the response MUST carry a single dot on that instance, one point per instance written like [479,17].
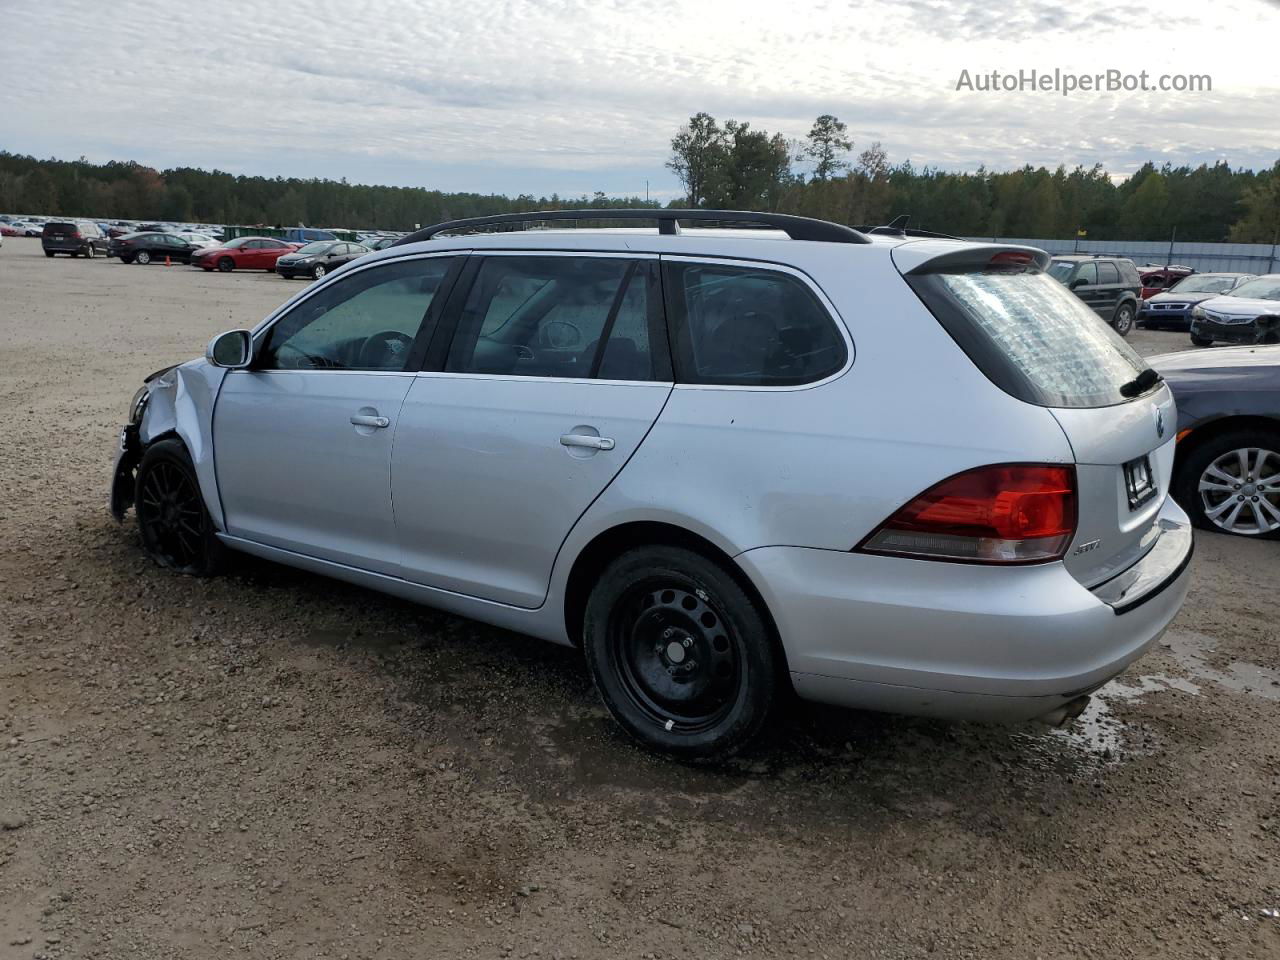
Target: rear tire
[226,265]
[177,531]
[1201,341]
[683,657]
[49,253]
[318,271]
[1122,322]
[1211,482]
[142,257]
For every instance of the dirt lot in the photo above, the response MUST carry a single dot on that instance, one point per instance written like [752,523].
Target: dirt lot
[275,765]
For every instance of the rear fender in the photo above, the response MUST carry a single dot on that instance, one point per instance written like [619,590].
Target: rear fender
[180,403]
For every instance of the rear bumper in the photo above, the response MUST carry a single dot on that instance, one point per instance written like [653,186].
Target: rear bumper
[964,641]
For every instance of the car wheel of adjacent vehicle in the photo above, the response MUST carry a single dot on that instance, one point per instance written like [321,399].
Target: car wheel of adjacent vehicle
[48,253]
[1232,484]
[142,257]
[317,271]
[226,264]
[176,529]
[1122,322]
[683,658]
[90,252]
[1201,341]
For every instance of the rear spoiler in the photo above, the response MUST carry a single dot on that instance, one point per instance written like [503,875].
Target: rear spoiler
[940,256]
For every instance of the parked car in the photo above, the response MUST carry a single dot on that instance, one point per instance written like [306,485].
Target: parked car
[74,237]
[378,243]
[12,230]
[1171,310]
[1227,471]
[144,248]
[243,253]
[301,235]
[1249,313]
[664,449]
[33,228]
[153,228]
[1156,279]
[198,239]
[1108,285]
[119,229]
[318,258]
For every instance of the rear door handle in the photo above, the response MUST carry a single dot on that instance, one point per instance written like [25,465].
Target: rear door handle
[361,420]
[586,440]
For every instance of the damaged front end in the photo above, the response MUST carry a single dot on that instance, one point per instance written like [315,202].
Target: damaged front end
[122,478]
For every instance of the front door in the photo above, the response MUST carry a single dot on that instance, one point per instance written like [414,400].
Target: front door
[557,370]
[302,440]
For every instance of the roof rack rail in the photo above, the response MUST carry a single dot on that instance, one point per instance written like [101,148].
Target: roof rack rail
[897,227]
[797,228]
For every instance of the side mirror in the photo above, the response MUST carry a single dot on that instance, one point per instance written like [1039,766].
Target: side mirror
[1077,282]
[233,350]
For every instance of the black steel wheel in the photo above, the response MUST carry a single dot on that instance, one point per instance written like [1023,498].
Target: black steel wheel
[176,529]
[682,656]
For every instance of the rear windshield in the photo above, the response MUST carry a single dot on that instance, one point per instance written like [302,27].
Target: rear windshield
[1031,336]
[60,228]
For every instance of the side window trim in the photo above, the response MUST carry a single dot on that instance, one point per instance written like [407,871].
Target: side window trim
[674,311]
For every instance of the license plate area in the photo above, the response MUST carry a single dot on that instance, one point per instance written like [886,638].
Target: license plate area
[1139,481]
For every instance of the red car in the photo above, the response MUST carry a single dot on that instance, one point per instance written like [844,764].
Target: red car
[1157,279]
[244,253]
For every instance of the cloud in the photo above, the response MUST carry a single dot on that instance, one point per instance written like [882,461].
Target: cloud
[573,96]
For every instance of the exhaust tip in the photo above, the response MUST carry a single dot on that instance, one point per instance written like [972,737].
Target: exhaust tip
[1065,713]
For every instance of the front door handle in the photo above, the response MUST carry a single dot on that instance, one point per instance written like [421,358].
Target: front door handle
[586,440]
[361,420]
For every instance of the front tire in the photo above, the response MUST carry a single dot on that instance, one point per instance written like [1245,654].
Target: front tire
[1231,484]
[176,529]
[1122,322]
[1201,341]
[682,656]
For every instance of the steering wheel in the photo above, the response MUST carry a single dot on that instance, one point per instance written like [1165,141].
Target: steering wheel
[388,345]
[546,339]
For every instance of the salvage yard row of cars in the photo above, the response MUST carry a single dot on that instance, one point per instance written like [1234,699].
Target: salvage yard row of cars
[306,252]
[526,398]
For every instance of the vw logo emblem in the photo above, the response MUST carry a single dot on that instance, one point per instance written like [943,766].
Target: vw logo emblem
[1159,423]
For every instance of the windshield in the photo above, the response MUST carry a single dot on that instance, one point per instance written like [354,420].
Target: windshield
[1203,283]
[1060,270]
[238,242]
[1263,288]
[317,246]
[1031,337]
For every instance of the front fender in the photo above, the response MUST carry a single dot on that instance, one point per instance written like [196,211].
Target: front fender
[180,403]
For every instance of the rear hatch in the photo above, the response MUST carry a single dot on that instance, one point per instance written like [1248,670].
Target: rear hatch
[1039,343]
[60,233]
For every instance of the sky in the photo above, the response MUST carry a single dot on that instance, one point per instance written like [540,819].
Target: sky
[575,96]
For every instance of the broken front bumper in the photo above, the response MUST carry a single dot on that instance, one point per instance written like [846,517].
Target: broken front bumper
[122,477]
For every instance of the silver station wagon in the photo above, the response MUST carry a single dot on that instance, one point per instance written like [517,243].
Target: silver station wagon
[888,470]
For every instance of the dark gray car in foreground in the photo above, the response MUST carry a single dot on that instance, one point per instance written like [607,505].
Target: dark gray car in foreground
[1227,469]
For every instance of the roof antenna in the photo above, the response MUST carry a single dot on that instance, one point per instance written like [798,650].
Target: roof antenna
[897,227]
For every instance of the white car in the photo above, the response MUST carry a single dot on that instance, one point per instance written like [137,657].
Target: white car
[198,239]
[890,471]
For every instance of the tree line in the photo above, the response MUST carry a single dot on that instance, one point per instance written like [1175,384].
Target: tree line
[729,165]
[732,166]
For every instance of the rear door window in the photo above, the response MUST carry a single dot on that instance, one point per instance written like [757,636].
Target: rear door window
[1031,336]
[748,326]
[560,316]
[1107,273]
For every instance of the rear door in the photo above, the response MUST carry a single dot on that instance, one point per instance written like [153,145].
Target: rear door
[1109,289]
[1043,346]
[555,373]
[1085,285]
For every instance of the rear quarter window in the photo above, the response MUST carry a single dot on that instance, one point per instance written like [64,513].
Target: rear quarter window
[1031,336]
[749,326]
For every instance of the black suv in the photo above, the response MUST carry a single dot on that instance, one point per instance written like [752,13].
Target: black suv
[1109,285]
[74,237]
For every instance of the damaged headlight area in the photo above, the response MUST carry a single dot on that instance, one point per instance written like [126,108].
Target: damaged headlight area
[138,404]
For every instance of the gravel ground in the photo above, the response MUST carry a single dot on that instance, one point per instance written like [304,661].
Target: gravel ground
[272,764]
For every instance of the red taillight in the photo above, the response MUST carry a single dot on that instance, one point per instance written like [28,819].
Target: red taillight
[1007,513]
